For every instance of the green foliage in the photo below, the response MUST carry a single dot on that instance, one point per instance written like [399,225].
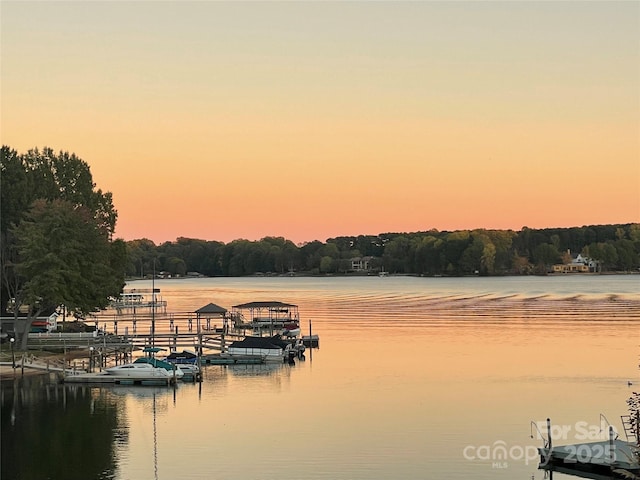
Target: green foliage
[66,259]
[327,264]
[15,193]
[545,255]
[465,252]
[64,176]
[56,235]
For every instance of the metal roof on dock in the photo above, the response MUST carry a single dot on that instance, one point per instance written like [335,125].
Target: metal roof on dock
[265,305]
[212,308]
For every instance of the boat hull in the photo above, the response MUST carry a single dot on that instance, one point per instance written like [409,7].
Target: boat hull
[132,370]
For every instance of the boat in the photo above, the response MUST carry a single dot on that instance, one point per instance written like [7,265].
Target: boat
[299,348]
[172,369]
[270,349]
[182,358]
[190,372]
[291,329]
[138,370]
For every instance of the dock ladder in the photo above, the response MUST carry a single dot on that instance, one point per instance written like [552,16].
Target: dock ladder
[630,430]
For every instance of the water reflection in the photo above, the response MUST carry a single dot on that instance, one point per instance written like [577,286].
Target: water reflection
[576,472]
[58,431]
[411,372]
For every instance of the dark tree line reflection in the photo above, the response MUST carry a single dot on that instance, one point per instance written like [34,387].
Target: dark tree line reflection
[58,432]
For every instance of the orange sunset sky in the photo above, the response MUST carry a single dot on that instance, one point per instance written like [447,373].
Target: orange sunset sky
[310,120]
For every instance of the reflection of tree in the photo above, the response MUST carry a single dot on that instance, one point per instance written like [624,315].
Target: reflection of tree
[57,432]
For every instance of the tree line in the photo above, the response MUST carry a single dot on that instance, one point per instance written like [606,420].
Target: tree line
[462,252]
[57,246]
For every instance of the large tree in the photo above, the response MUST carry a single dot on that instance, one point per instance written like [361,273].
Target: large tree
[57,230]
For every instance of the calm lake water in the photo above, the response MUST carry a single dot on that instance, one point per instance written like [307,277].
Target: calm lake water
[415,378]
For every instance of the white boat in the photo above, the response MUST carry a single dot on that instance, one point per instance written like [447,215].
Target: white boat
[172,369]
[138,370]
[189,369]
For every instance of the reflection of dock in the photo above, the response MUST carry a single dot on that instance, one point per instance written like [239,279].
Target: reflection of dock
[218,359]
[106,378]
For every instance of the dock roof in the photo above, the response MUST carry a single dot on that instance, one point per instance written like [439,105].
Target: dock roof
[212,308]
[270,304]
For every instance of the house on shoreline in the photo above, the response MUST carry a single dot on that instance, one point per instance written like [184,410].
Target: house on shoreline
[578,264]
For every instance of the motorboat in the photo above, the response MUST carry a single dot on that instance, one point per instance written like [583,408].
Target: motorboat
[182,358]
[138,370]
[270,349]
[171,369]
[290,330]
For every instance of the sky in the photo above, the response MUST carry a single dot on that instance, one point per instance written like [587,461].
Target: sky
[311,120]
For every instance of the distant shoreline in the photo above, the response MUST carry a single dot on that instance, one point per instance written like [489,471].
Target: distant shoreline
[327,275]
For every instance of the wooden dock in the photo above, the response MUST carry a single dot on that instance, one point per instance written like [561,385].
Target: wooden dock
[117,338]
[614,453]
[614,457]
[311,341]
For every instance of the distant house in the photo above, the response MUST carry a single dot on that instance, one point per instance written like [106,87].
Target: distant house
[578,264]
[360,264]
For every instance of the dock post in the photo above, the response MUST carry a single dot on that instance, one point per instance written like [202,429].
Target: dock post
[611,456]
[549,434]
[310,343]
